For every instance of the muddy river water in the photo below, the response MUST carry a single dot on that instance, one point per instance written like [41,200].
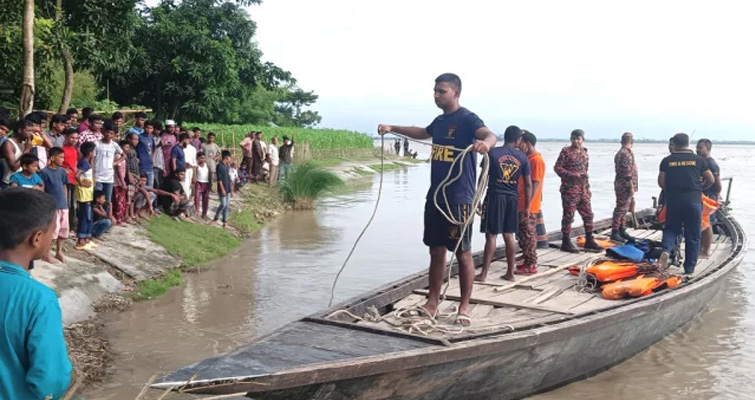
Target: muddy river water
[285,272]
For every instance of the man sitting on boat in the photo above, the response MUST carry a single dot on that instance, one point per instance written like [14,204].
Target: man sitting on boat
[499,212]
[456,128]
[680,178]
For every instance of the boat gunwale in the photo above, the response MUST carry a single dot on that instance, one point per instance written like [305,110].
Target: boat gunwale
[468,349]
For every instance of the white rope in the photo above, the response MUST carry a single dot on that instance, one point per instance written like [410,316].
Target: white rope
[422,322]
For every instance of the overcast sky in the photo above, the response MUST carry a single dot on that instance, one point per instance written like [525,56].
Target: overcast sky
[651,67]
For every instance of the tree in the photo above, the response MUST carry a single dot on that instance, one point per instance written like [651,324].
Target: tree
[27,85]
[290,106]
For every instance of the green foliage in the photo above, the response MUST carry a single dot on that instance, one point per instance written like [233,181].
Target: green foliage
[290,106]
[306,184]
[157,287]
[388,166]
[231,135]
[194,243]
[86,90]
[245,221]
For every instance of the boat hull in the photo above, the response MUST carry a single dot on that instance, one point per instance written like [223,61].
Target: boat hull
[542,366]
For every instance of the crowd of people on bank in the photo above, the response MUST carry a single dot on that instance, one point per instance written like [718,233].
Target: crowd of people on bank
[101,174]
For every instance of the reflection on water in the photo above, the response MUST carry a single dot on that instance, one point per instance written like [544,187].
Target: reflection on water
[285,272]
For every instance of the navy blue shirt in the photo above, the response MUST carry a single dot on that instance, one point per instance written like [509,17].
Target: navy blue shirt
[224,176]
[683,176]
[177,152]
[454,130]
[506,166]
[144,150]
[55,181]
[716,171]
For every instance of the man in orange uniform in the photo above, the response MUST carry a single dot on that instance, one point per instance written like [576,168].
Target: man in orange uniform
[527,224]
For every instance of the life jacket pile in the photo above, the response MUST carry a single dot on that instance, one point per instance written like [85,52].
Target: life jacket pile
[603,242]
[620,279]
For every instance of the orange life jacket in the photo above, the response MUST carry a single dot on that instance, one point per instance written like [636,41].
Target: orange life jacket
[610,271]
[643,285]
[605,243]
[709,207]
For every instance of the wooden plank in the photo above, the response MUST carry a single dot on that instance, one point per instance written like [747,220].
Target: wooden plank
[501,304]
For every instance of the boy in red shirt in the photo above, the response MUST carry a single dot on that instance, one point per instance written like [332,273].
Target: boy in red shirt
[70,159]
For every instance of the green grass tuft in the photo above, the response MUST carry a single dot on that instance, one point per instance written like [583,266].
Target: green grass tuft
[307,183]
[157,287]
[388,166]
[194,243]
[244,220]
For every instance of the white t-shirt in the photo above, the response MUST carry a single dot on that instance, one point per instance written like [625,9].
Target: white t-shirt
[190,156]
[104,156]
[273,152]
[203,173]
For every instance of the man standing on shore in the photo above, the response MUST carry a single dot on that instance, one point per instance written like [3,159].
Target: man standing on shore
[499,212]
[683,177]
[528,232]
[286,157]
[572,166]
[625,185]
[456,128]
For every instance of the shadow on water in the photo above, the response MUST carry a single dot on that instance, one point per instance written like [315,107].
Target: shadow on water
[286,270]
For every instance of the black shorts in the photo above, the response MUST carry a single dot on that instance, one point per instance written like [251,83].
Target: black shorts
[499,214]
[440,232]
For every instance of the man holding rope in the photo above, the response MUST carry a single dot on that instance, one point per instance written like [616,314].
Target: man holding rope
[457,128]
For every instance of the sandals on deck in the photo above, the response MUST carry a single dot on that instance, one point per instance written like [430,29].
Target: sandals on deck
[463,320]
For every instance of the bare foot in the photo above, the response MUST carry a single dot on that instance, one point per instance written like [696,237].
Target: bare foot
[59,256]
[432,309]
[704,256]
[480,277]
[214,222]
[49,260]
[509,277]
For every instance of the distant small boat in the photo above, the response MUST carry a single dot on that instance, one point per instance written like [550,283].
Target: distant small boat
[531,339]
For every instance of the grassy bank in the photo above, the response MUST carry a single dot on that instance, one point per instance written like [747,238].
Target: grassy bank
[231,135]
[157,287]
[193,243]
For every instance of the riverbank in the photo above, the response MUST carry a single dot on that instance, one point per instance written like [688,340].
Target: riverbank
[145,260]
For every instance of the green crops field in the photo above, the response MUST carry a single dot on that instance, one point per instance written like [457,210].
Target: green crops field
[318,139]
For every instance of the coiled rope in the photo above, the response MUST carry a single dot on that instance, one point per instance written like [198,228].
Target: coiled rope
[416,317]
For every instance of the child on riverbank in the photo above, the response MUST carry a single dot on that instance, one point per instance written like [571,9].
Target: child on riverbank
[84,196]
[102,215]
[28,176]
[33,356]
[55,180]
[202,185]
[145,196]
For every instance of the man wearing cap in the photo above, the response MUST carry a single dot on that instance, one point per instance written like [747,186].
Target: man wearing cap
[683,177]
[571,166]
[168,139]
[138,127]
[625,186]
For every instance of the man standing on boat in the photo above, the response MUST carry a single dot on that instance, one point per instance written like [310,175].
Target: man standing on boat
[456,128]
[528,232]
[625,185]
[571,166]
[683,177]
[499,212]
[714,192]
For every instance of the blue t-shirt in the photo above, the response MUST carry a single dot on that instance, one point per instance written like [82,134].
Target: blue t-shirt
[506,166]
[454,130]
[144,150]
[716,171]
[177,152]
[23,181]
[55,181]
[33,358]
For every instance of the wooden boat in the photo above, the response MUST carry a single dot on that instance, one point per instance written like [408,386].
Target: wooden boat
[531,339]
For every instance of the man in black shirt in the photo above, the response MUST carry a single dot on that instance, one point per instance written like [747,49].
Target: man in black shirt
[680,178]
[172,197]
[714,192]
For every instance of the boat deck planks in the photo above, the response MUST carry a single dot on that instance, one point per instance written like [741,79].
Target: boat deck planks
[538,299]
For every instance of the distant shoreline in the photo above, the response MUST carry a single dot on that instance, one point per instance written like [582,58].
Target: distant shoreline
[652,141]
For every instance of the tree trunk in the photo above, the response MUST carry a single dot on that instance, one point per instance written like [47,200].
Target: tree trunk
[65,101]
[27,86]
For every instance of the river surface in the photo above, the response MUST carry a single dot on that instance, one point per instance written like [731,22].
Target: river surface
[285,272]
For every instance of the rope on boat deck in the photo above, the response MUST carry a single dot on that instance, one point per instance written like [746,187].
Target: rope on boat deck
[421,318]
